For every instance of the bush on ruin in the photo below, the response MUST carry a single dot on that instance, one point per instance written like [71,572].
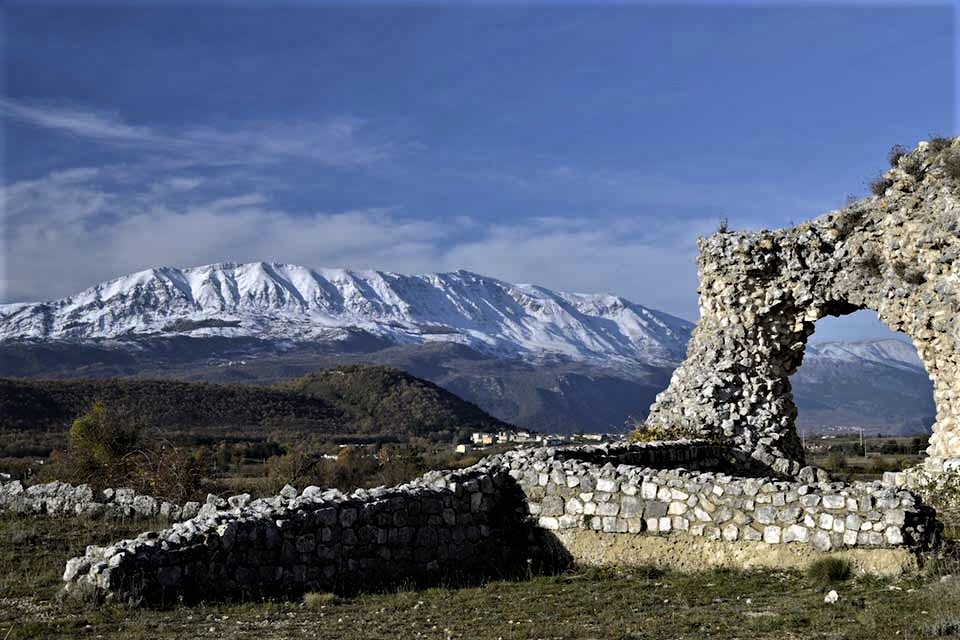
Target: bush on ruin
[936,144]
[897,151]
[951,165]
[879,186]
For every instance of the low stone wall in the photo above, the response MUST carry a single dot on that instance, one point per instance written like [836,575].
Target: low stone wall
[444,524]
[569,494]
[61,498]
[502,515]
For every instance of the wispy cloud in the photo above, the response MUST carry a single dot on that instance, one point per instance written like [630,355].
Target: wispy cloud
[336,141]
[78,121]
[72,229]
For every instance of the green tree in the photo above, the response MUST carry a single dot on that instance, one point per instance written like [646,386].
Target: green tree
[101,437]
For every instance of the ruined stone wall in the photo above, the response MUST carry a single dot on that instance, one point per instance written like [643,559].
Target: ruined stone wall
[761,293]
[445,524]
[64,499]
[569,494]
[495,518]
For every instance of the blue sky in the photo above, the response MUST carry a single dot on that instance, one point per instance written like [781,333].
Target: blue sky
[582,148]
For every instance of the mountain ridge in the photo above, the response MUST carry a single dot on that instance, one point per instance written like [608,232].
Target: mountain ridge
[290,302]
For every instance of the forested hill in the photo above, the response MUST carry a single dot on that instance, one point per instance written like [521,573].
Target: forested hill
[381,395]
[350,400]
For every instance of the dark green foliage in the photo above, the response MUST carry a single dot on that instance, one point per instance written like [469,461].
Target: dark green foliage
[880,185]
[375,397]
[897,151]
[358,400]
[828,570]
[103,437]
[165,404]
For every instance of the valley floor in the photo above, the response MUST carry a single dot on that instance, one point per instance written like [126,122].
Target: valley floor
[624,603]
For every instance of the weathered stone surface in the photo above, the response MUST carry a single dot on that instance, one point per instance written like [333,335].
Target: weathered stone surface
[761,293]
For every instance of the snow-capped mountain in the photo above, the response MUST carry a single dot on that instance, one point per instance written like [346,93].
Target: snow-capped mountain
[886,351]
[298,304]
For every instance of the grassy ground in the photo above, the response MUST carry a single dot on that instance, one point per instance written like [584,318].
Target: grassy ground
[627,603]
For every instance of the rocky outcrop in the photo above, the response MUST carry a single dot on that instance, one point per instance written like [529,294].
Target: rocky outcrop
[761,293]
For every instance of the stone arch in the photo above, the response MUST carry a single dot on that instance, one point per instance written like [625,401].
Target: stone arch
[761,293]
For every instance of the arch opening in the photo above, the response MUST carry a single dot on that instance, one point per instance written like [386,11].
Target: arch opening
[864,398]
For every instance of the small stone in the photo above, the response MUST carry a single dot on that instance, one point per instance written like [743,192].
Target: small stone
[771,534]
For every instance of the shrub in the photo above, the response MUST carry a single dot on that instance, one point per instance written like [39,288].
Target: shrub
[908,274]
[107,449]
[654,433]
[936,144]
[724,225]
[897,151]
[830,569]
[879,186]
[912,165]
[294,468]
[318,599]
[102,437]
[951,165]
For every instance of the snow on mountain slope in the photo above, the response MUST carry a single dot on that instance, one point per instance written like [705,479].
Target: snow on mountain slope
[290,302]
[890,352]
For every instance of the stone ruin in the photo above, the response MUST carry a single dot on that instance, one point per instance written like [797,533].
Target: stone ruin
[738,496]
[761,292]
[672,504]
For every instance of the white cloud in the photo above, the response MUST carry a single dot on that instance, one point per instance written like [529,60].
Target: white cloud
[650,263]
[332,141]
[78,121]
[71,230]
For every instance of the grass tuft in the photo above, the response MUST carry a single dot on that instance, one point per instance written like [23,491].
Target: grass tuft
[829,570]
[317,599]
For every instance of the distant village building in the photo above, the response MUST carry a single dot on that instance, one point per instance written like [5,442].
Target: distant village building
[463,448]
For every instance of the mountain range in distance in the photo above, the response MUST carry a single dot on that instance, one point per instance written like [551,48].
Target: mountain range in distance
[537,358]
